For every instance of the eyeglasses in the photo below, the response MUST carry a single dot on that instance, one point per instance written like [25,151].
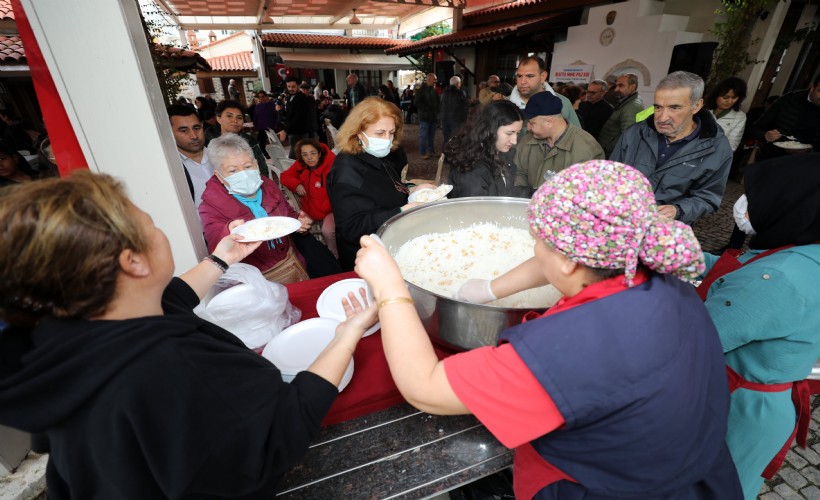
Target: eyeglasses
[306,155]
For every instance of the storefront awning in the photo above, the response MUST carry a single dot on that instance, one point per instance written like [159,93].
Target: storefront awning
[485,33]
[337,60]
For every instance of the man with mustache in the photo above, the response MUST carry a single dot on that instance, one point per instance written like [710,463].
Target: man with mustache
[680,149]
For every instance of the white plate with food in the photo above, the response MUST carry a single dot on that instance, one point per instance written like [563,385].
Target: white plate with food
[428,195]
[267,228]
[792,145]
[329,304]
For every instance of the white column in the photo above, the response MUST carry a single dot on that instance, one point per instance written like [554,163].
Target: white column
[97,54]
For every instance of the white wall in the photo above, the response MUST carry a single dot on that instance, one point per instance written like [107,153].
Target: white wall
[643,33]
[139,150]
[239,43]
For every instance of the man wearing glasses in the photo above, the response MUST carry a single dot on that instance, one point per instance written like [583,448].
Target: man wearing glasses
[595,111]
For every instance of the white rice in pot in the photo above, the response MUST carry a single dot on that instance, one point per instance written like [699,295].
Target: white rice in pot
[442,262]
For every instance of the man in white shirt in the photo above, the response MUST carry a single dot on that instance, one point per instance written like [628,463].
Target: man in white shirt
[531,78]
[189,135]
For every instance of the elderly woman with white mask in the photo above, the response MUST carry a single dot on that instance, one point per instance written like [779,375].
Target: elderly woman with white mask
[765,305]
[238,191]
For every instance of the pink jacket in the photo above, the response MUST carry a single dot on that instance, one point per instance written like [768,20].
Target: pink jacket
[219,208]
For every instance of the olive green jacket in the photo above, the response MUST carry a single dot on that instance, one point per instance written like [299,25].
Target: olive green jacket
[533,161]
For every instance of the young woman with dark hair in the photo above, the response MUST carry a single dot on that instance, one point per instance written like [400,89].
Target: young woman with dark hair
[480,156]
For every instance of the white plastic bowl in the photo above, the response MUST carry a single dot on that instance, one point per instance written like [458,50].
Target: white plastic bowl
[298,346]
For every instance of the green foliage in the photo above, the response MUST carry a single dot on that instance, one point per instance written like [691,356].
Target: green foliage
[735,37]
[441,28]
[171,80]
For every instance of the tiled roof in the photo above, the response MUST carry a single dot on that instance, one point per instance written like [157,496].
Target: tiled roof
[241,61]
[5,10]
[469,36]
[303,41]
[525,8]
[184,60]
[11,51]
[501,8]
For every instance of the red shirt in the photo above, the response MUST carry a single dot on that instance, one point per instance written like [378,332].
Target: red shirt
[499,389]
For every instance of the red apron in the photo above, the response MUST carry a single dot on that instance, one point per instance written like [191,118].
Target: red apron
[532,471]
[801,390]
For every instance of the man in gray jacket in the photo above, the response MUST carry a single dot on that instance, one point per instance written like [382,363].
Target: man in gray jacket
[680,149]
[623,114]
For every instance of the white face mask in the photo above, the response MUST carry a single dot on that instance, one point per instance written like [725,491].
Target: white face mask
[741,219]
[378,147]
[244,182]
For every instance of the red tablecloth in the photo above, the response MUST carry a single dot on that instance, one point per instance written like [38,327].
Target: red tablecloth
[372,388]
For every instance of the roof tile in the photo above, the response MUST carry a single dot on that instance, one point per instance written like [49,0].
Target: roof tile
[241,61]
[5,10]
[304,41]
[11,51]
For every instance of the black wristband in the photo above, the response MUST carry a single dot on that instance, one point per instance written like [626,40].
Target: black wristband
[221,264]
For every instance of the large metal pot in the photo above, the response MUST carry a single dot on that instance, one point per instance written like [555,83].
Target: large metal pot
[450,322]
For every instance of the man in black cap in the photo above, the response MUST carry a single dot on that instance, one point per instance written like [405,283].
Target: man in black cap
[550,144]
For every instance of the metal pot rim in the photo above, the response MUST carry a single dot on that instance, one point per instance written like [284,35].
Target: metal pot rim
[503,199]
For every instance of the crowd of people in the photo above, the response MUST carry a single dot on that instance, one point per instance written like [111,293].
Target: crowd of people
[713,389]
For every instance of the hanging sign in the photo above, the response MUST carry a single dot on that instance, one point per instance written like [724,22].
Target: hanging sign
[571,73]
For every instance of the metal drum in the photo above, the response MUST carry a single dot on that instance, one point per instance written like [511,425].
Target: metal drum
[450,322]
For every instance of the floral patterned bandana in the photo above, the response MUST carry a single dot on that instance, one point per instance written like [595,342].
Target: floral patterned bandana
[603,214]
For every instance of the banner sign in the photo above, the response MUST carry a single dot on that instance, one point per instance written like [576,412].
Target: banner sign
[571,74]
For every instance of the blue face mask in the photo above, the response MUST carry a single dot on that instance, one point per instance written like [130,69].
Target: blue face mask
[244,182]
[378,147]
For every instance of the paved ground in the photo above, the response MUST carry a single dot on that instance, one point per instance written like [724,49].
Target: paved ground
[799,478]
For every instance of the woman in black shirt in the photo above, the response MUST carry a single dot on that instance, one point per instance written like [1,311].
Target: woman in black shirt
[105,363]
[364,184]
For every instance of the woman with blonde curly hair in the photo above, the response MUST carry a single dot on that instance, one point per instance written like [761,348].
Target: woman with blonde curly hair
[364,184]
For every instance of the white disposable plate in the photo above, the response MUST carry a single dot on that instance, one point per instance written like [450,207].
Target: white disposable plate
[329,304]
[428,195]
[267,228]
[792,145]
[346,377]
[298,346]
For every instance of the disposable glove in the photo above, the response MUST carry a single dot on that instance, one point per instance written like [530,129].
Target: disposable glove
[476,291]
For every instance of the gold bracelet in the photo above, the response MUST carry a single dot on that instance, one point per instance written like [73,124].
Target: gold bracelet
[395,300]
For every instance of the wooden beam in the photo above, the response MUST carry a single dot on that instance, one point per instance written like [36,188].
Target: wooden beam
[167,9]
[286,26]
[346,10]
[260,12]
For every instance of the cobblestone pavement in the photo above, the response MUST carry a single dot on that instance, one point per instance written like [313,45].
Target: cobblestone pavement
[799,478]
